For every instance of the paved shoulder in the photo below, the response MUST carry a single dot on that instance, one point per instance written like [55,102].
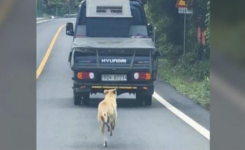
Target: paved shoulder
[184,104]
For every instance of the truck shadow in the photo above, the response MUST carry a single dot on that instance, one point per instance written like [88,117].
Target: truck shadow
[121,103]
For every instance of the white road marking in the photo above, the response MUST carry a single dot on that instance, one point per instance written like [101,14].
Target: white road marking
[183,116]
[42,21]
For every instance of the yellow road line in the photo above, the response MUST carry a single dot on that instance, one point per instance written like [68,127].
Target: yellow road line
[5,7]
[50,48]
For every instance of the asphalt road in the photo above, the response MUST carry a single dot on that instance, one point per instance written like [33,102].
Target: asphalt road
[63,126]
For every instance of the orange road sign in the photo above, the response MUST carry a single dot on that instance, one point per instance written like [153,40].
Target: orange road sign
[181,3]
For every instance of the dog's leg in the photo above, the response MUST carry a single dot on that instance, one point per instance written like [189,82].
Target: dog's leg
[107,124]
[108,127]
[102,131]
[112,125]
[114,120]
[102,126]
[105,144]
[112,128]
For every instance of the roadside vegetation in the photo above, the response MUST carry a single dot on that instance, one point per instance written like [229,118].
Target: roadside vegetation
[60,8]
[188,72]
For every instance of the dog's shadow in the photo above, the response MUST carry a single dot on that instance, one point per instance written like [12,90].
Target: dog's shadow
[111,146]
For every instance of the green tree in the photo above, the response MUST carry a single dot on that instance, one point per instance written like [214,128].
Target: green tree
[169,23]
[64,6]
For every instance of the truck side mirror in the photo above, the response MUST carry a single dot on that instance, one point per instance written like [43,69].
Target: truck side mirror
[69,29]
[156,54]
[150,29]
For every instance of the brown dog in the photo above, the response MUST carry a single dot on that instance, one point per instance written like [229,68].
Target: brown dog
[107,112]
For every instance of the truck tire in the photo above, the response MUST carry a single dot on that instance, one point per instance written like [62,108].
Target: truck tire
[144,99]
[77,99]
[148,100]
[139,99]
[85,98]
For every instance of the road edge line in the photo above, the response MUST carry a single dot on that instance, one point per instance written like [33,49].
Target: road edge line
[183,116]
[47,54]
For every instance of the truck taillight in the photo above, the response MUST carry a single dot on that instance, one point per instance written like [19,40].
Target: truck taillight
[142,76]
[85,75]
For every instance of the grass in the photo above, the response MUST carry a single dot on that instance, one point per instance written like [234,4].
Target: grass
[199,91]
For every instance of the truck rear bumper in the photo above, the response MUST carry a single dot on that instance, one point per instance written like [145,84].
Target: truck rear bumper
[147,89]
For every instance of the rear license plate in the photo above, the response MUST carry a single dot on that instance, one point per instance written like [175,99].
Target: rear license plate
[114,77]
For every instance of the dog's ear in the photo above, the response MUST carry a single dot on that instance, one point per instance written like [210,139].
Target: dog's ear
[106,92]
[114,91]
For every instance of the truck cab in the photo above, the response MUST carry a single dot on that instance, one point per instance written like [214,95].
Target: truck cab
[112,48]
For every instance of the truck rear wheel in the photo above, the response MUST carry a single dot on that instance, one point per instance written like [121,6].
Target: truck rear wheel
[139,99]
[85,98]
[148,100]
[144,99]
[77,99]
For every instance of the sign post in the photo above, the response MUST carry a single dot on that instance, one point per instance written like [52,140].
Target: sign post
[182,8]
